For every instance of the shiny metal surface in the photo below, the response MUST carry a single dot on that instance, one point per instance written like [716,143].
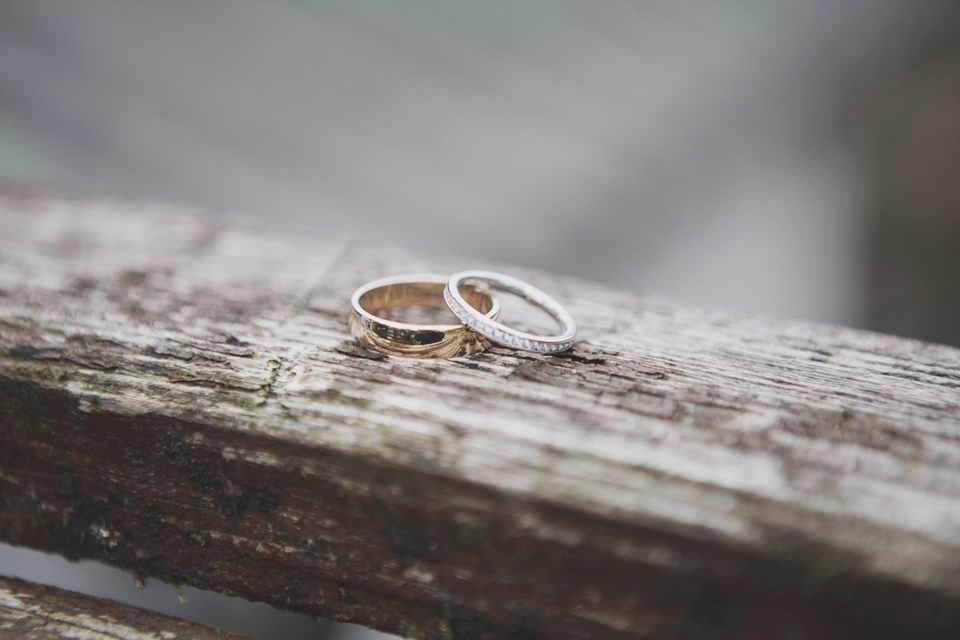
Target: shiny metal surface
[474,318]
[411,340]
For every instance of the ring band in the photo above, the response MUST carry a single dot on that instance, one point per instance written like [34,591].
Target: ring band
[499,332]
[416,340]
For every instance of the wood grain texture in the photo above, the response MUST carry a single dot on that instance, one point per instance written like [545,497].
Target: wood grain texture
[35,612]
[180,397]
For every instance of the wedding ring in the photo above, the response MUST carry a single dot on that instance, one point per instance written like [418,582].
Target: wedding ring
[473,317]
[417,340]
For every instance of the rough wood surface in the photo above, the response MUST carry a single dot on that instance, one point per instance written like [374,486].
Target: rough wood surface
[180,397]
[34,612]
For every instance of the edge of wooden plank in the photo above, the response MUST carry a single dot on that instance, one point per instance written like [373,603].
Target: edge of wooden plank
[33,611]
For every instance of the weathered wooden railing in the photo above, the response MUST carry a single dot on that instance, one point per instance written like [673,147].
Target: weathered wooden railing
[34,612]
[180,397]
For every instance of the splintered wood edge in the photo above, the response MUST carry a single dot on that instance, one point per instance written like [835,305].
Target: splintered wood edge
[30,611]
[676,461]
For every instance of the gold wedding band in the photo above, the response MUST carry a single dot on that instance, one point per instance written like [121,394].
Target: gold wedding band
[417,340]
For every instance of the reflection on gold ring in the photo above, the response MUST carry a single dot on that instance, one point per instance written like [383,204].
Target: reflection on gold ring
[416,340]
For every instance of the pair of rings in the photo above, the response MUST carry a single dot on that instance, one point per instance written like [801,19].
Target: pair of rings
[468,295]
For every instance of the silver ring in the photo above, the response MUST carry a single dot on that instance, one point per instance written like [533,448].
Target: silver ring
[499,332]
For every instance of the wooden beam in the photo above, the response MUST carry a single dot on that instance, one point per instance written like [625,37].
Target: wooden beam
[34,612]
[180,397]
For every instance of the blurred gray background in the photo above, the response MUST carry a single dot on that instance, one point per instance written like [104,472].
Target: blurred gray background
[799,159]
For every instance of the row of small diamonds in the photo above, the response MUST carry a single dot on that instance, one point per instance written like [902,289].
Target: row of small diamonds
[469,318]
[504,338]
